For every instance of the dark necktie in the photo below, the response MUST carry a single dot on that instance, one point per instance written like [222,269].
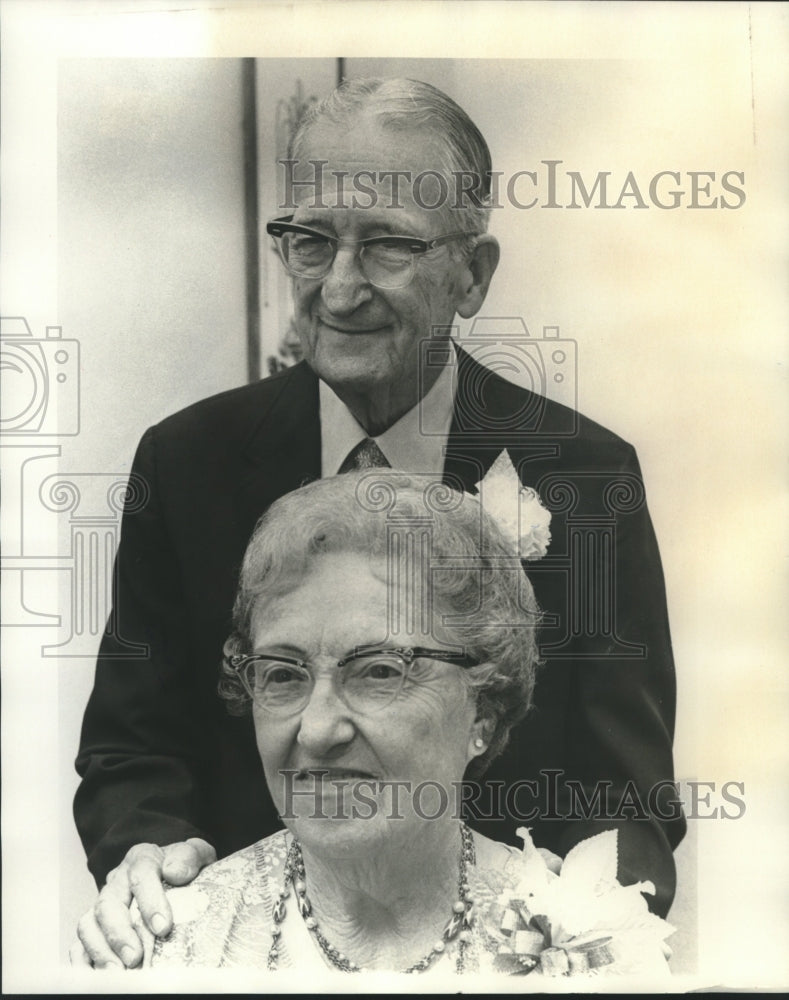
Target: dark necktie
[366,455]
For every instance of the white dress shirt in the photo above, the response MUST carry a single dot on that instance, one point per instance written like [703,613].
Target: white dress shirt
[415,443]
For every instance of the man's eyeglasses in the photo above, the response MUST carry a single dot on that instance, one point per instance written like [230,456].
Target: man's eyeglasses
[368,680]
[386,261]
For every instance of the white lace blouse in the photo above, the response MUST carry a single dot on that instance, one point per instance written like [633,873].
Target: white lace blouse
[224,920]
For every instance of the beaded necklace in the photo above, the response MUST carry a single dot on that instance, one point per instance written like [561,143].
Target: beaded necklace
[458,926]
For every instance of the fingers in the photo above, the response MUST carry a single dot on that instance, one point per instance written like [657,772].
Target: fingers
[78,957]
[93,949]
[183,861]
[205,850]
[144,864]
[107,933]
[139,874]
[147,865]
[113,921]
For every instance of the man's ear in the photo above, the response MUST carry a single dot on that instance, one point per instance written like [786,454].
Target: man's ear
[477,275]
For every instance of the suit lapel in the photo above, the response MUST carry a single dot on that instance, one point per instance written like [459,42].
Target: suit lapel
[465,464]
[472,446]
[492,415]
[284,449]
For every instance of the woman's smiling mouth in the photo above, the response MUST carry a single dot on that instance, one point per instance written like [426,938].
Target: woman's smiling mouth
[332,774]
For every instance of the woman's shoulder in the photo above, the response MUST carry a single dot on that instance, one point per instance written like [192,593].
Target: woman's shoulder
[229,898]
[237,873]
[493,856]
[495,868]
[239,870]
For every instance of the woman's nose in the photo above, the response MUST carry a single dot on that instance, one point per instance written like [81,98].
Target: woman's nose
[325,721]
[345,287]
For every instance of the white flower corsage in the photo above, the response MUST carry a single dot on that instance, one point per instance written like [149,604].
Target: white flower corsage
[517,509]
[574,918]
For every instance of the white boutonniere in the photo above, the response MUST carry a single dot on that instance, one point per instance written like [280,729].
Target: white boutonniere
[517,509]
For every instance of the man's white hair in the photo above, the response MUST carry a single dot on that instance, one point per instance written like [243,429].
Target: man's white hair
[402,104]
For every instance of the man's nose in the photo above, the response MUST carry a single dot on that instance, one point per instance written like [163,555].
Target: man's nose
[325,721]
[345,287]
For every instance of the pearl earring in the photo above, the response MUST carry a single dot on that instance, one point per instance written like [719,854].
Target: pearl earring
[478,743]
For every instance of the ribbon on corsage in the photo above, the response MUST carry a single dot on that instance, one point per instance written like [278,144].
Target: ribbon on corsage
[517,509]
[572,917]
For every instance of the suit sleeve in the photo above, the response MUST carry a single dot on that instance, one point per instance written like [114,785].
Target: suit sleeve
[139,758]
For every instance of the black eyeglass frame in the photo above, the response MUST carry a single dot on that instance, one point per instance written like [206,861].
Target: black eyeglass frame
[277,228]
[239,661]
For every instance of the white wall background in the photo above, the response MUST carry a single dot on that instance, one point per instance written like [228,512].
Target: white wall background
[151,282]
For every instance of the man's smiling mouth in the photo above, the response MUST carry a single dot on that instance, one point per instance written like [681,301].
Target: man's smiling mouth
[350,331]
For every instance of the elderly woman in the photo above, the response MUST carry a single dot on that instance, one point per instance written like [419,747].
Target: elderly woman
[385,644]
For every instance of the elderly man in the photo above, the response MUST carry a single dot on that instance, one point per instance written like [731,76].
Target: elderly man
[381,266]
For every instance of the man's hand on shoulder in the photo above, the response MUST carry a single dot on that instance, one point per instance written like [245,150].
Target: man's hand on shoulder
[107,937]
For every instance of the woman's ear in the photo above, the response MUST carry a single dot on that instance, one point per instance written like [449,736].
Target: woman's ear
[479,270]
[479,739]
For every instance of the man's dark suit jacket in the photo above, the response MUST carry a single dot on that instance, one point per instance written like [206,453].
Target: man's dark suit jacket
[161,759]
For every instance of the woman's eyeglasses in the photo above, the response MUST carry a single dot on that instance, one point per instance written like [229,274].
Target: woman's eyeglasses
[386,261]
[368,680]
